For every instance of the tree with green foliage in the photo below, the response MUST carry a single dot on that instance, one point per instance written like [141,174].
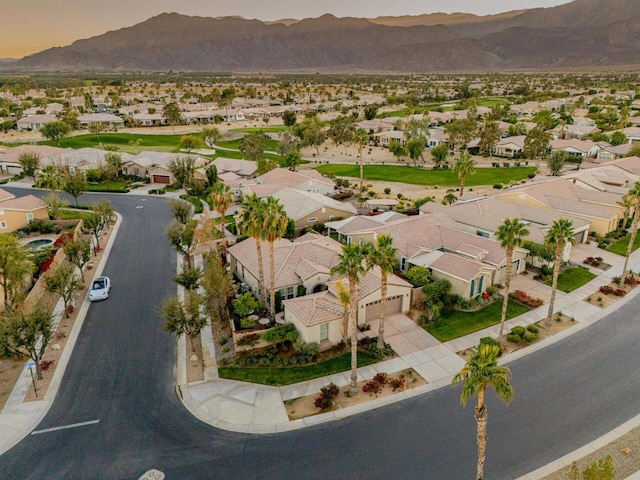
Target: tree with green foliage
[287,144]
[418,276]
[55,131]
[556,161]
[112,165]
[397,149]
[251,218]
[450,197]
[181,210]
[360,137]
[370,112]
[189,143]
[135,144]
[633,196]
[75,184]
[352,264]
[440,153]
[293,159]
[617,138]
[52,179]
[184,319]
[253,146]
[480,371]
[545,120]
[64,282]
[415,149]
[182,239]
[189,278]
[510,233]
[15,267]
[265,165]
[383,255]
[275,223]
[516,129]
[341,130]
[221,198]
[464,166]
[461,131]
[183,168]
[96,129]
[489,136]
[211,136]
[171,114]
[30,163]
[536,143]
[289,118]
[559,235]
[310,132]
[245,305]
[26,331]
[78,253]
[218,287]
[212,175]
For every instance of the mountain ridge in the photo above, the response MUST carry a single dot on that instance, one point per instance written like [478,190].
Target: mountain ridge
[581,33]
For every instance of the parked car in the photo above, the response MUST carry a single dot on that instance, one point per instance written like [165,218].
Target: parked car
[100,289]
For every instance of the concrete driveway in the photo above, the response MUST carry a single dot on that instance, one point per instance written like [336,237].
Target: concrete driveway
[403,334]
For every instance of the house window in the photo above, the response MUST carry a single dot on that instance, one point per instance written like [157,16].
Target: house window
[348,240]
[480,233]
[3,224]
[286,293]
[324,331]
[403,264]
[312,219]
[480,284]
[29,217]
[473,286]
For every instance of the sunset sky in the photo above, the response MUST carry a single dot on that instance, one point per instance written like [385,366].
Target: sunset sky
[34,25]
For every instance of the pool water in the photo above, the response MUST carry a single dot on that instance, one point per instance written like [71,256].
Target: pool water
[36,244]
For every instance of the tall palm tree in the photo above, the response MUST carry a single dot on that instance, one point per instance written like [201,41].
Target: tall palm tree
[52,179]
[221,197]
[345,301]
[560,233]
[275,223]
[250,221]
[464,166]
[634,195]
[480,371]
[352,264]
[383,255]
[360,136]
[511,234]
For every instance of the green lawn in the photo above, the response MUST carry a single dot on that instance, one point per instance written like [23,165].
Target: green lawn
[420,176]
[573,278]
[455,323]
[114,186]
[289,375]
[270,145]
[67,214]
[163,143]
[620,246]
[273,129]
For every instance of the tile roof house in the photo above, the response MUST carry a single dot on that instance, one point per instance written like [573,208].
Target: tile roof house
[578,148]
[155,166]
[601,209]
[100,118]
[18,212]
[304,265]
[308,209]
[10,159]
[35,122]
[280,178]
[509,147]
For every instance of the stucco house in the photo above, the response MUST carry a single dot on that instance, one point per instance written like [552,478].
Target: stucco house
[35,122]
[280,178]
[308,209]
[509,147]
[18,212]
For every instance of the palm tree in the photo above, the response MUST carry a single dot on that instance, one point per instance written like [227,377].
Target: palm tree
[275,223]
[360,136]
[383,255]
[560,233]
[465,165]
[634,195]
[51,178]
[480,371]
[352,264]
[250,221]
[345,301]
[511,234]
[221,197]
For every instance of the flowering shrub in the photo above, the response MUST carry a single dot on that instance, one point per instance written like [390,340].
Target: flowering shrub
[609,290]
[630,280]
[397,384]
[327,395]
[381,378]
[62,240]
[526,299]
[45,364]
[372,387]
[593,261]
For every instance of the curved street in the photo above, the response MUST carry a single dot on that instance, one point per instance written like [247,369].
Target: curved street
[122,372]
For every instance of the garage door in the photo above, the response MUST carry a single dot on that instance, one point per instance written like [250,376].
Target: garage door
[161,179]
[394,305]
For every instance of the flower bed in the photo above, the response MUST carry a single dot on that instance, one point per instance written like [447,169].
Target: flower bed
[526,299]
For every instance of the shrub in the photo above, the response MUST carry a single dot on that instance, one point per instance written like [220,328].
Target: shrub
[249,340]
[522,335]
[491,341]
[533,329]
[245,305]
[397,384]
[526,299]
[249,323]
[382,378]
[387,190]
[497,186]
[609,290]
[372,387]
[506,164]
[531,175]
[418,276]
[617,280]
[327,396]
[281,333]
[630,280]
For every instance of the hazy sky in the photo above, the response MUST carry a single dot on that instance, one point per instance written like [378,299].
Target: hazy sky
[33,25]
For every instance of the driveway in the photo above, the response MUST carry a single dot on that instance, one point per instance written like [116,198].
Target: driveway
[403,334]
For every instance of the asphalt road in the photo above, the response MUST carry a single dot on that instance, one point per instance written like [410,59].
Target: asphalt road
[122,374]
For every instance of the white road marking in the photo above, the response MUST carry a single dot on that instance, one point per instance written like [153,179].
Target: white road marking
[139,206]
[65,427]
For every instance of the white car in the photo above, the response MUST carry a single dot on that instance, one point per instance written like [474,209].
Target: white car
[100,289]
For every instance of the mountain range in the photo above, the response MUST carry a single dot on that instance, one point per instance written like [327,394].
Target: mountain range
[580,34]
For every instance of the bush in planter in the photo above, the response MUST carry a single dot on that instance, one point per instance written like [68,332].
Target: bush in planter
[249,323]
[281,333]
[248,340]
[418,276]
[245,305]
[327,395]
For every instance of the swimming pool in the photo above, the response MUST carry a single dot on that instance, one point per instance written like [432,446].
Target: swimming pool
[38,243]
